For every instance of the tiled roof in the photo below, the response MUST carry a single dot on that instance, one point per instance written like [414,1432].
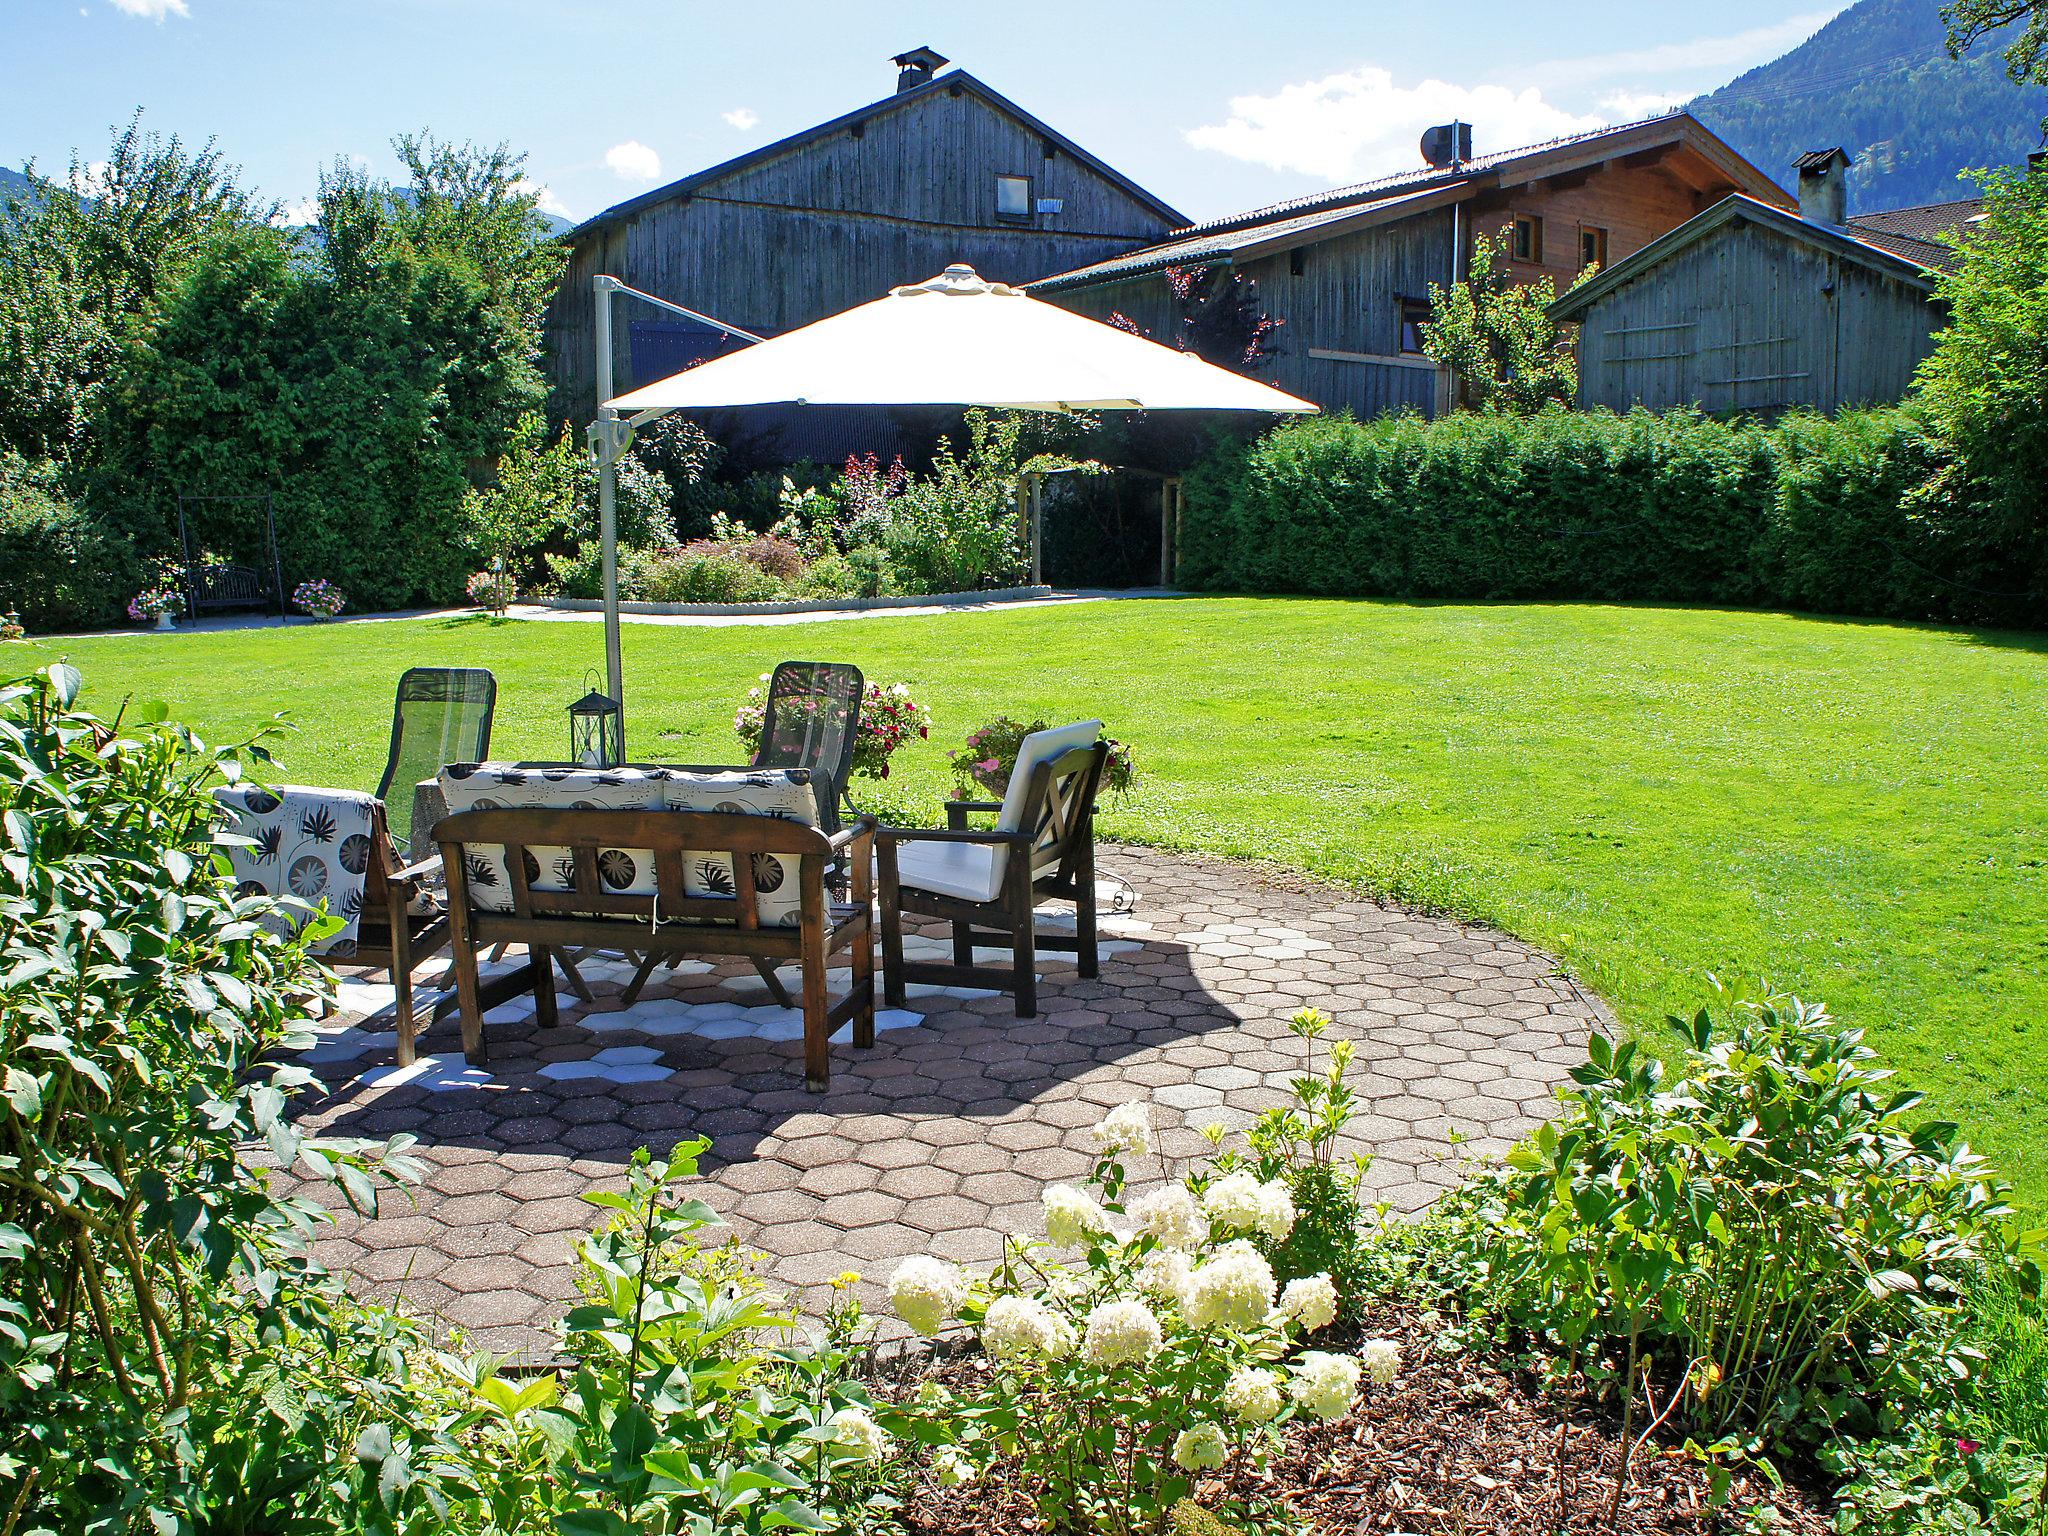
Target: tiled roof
[1916,233]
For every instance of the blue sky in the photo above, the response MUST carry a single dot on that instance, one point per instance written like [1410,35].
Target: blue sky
[1213,106]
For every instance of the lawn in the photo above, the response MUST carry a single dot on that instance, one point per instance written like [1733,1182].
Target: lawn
[1858,811]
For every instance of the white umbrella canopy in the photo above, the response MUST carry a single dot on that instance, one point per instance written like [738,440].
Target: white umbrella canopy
[958,340]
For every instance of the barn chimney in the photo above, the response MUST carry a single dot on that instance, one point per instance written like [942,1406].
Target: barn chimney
[1824,186]
[1446,145]
[916,67]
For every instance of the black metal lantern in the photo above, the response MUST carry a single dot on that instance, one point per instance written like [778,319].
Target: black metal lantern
[594,729]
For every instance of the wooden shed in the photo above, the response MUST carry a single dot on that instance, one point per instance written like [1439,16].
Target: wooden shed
[1349,271]
[946,169]
[1751,308]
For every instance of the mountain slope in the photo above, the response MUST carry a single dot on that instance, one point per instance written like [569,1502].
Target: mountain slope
[1878,81]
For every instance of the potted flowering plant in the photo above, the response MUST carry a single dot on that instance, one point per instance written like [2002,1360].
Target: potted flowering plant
[493,591]
[11,627]
[161,599]
[889,716]
[320,599]
[981,769]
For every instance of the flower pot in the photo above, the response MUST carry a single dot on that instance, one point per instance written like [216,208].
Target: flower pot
[165,621]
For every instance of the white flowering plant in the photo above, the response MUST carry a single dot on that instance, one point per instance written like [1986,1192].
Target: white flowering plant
[1292,1150]
[1141,1353]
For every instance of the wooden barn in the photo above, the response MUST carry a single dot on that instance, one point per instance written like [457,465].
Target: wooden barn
[1750,308]
[1349,271]
[945,169]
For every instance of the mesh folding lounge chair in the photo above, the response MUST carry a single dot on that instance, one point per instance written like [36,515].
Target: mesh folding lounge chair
[443,715]
[987,883]
[811,721]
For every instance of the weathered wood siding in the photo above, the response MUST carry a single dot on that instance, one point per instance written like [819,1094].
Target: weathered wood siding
[1346,299]
[1749,318]
[1634,204]
[840,220]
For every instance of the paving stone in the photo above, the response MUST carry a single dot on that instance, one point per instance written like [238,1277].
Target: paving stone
[941,1137]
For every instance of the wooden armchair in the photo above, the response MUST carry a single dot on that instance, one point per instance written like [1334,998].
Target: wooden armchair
[402,924]
[986,883]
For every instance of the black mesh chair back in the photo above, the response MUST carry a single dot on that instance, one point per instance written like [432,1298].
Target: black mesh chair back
[813,717]
[443,716]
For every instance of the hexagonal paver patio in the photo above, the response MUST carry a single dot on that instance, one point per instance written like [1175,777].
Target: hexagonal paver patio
[940,1137]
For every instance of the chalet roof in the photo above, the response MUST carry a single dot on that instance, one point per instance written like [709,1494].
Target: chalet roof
[1319,215]
[1916,233]
[1729,210]
[951,81]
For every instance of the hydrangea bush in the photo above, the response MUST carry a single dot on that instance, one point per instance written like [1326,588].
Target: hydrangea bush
[1144,1351]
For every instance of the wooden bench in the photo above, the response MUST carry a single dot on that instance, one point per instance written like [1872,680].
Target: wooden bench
[669,921]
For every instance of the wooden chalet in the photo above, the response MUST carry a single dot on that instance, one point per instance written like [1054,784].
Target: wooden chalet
[945,169]
[1748,307]
[1348,271]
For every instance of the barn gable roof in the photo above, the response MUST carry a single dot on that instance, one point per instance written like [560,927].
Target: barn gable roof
[1322,215]
[950,82]
[1731,209]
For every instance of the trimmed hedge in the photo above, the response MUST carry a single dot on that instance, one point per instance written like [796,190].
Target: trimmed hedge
[58,568]
[1808,512]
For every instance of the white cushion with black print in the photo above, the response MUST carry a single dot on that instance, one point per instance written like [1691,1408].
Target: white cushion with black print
[783,792]
[495,786]
[307,847]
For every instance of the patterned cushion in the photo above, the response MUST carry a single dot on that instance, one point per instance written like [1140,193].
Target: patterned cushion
[491,786]
[311,846]
[783,792]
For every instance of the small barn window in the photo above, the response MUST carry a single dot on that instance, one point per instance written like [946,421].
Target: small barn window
[1297,261]
[1414,316]
[1013,197]
[1592,246]
[1527,241]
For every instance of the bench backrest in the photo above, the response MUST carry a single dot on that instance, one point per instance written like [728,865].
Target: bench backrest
[733,861]
[580,842]
[226,586]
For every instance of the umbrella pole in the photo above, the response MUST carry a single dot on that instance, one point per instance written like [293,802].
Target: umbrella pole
[609,430]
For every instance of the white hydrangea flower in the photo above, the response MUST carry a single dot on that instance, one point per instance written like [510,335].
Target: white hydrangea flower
[1125,1130]
[950,1469]
[926,1293]
[1201,1447]
[931,1392]
[854,1430]
[1122,1331]
[1253,1395]
[1018,1327]
[1071,1216]
[1311,1301]
[1233,1202]
[1164,1274]
[1276,1210]
[1234,1289]
[1324,1384]
[1171,1215]
[1382,1361]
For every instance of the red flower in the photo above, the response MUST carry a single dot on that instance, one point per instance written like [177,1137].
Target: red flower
[1969,1447]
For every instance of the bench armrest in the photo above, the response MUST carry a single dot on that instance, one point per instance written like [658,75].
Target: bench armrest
[957,811]
[863,830]
[893,835]
[413,873]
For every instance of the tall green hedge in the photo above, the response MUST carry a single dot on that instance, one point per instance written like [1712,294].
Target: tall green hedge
[1808,512]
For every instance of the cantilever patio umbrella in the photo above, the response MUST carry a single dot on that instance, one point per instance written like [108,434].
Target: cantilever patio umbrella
[955,340]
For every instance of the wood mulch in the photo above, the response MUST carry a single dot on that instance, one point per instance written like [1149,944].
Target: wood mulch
[1455,1447]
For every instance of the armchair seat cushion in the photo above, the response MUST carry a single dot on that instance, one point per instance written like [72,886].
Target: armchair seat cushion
[970,871]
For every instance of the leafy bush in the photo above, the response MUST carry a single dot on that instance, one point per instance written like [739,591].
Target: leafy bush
[1810,512]
[169,1353]
[1157,1355]
[58,568]
[698,573]
[1770,1232]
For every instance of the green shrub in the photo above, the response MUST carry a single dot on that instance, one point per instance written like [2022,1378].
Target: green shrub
[698,573]
[58,568]
[1676,507]
[1772,1231]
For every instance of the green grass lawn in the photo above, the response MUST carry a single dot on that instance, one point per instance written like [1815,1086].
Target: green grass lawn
[1858,811]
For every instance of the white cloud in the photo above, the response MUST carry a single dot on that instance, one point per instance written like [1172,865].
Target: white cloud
[1359,124]
[1701,57]
[298,213]
[742,118]
[151,10]
[91,180]
[633,161]
[544,198]
[1627,106]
